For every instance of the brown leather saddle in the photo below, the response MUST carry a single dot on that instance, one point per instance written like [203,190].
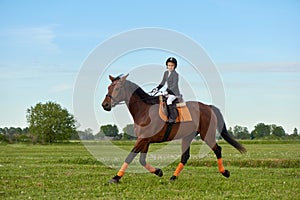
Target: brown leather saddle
[184,114]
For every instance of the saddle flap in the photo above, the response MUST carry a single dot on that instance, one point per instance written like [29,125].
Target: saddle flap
[184,114]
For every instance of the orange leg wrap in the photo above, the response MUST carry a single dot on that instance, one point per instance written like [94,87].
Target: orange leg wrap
[178,169]
[220,165]
[150,168]
[123,169]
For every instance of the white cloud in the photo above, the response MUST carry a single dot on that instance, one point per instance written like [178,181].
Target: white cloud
[61,87]
[32,38]
[284,67]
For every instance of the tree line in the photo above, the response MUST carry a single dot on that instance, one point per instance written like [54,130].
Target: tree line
[49,123]
[260,131]
[111,132]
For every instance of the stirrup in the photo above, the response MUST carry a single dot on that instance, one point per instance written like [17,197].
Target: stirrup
[171,121]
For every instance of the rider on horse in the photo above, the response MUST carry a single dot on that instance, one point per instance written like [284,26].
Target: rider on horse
[172,92]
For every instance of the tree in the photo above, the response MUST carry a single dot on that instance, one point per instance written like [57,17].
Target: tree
[128,132]
[240,132]
[230,131]
[109,130]
[277,131]
[25,130]
[11,131]
[87,134]
[3,136]
[49,122]
[261,130]
[295,132]
[99,136]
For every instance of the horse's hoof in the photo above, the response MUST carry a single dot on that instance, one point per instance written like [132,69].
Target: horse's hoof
[173,178]
[115,179]
[226,173]
[158,172]
[112,181]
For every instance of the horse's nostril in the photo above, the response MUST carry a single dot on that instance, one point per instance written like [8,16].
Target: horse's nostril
[104,105]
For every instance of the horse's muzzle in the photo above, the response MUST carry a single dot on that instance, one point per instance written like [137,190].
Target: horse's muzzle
[106,106]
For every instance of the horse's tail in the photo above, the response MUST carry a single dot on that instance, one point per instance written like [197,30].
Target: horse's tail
[221,126]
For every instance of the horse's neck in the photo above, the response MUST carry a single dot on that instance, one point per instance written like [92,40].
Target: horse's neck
[137,108]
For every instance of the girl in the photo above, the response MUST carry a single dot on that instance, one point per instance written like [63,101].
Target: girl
[172,92]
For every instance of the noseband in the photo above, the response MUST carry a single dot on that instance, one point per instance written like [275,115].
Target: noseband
[112,98]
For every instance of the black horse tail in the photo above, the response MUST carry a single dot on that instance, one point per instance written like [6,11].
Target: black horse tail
[221,127]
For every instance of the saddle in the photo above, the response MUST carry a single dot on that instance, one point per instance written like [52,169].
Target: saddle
[184,114]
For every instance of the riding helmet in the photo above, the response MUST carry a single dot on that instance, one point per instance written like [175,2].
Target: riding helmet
[173,60]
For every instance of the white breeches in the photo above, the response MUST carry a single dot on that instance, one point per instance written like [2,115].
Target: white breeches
[170,99]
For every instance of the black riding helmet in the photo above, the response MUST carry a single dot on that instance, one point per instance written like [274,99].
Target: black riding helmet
[173,60]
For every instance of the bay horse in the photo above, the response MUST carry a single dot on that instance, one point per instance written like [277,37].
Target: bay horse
[150,128]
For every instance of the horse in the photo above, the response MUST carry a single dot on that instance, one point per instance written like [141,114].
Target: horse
[150,128]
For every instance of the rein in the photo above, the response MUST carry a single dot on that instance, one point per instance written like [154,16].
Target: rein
[151,97]
[124,102]
[127,102]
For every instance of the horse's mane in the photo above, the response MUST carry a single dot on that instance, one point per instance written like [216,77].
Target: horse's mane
[145,97]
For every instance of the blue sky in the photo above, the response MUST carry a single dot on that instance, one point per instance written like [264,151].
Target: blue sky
[254,44]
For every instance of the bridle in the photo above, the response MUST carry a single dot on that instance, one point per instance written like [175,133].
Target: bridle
[127,102]
[112,98]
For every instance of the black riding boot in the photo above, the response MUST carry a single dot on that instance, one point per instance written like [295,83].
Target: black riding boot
[172,113]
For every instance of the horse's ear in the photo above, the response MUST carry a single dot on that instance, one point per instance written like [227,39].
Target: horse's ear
[111,78]
[124,77]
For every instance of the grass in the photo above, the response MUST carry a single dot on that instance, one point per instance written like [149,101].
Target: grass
[69,171]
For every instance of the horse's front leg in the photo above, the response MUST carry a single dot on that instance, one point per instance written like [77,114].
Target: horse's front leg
[141,145]
[143,162]
[185,148]
[122,170]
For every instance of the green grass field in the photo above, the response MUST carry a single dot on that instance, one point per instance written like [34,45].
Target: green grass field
[269,170]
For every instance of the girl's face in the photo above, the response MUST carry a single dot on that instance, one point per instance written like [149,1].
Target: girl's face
[170,66]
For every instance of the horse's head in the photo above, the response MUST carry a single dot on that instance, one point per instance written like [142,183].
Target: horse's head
[116,93]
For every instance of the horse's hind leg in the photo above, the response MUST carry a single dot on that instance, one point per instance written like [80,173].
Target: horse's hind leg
[210,139]
[218,151]
[185,148]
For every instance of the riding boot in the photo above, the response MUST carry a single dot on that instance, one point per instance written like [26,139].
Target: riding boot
[172,113]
